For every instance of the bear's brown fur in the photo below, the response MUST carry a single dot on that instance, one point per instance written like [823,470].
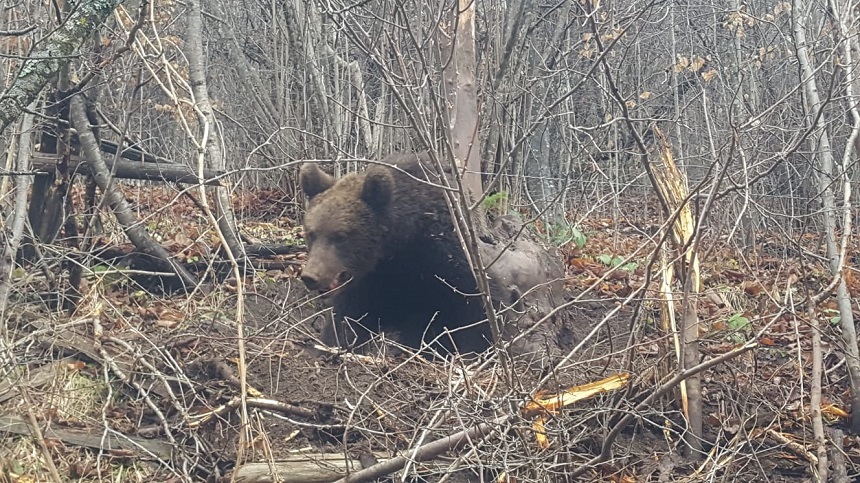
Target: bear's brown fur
[383,246]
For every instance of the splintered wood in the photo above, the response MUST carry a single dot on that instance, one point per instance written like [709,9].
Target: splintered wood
[543,406]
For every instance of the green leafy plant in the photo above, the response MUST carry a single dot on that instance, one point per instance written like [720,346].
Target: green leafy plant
[561,233]
[611,261]
[497,203]
[107,275]
[835,318]
[740,327]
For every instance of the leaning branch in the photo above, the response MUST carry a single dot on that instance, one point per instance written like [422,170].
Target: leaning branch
[422,453]
[119,205]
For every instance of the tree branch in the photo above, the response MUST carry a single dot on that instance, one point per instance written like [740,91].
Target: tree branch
[57,50]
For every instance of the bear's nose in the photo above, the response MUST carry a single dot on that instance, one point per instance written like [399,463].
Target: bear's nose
[310,282]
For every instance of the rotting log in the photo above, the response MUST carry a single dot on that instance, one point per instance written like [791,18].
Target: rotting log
[97,439]
[44,375]
[316,468]
[302,468]
[126,169]
[425,452]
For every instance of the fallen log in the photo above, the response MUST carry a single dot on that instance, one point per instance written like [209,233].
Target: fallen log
[425,452]
[36,379]
[264,250]
[125,169]
[302,468]
[130,152]
[90,438]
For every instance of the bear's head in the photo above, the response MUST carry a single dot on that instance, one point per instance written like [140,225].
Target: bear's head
[344,225]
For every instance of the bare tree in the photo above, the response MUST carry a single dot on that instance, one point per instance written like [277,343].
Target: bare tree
[23,146]
[821,146]
[211,140]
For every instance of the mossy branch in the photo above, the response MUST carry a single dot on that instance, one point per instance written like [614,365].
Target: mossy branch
[54,52]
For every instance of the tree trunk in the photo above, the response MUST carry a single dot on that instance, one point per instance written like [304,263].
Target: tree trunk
[46,212]
[54,52]
[844,19]
[215,156]
[463,96]
[822,148]
[19,214]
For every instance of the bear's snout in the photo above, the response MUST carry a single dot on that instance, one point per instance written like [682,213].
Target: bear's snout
[317,283]
[310,282]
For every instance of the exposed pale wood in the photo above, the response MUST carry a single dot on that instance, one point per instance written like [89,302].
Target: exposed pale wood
[305,468]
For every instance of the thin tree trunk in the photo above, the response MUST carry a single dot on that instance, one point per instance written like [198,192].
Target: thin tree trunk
[319,111]
[819,473]
[846,315]
[226,222]
[215,155]
[19,214]
[460,85]
[492,111]
[746,215]
[823,150]
[250,77]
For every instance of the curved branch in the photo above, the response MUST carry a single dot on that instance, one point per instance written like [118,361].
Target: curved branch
[120,207]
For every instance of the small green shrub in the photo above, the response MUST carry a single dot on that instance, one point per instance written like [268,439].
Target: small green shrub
[561,233]
[611,261]
[741,327]
[497,203]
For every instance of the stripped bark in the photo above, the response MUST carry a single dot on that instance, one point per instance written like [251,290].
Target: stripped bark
[461,89]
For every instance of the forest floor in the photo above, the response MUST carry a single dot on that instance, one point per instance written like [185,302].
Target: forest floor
[141,387]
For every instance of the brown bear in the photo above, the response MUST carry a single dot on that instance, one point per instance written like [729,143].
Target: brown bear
[382,246]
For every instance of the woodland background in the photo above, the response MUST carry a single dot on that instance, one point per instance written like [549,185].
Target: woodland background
[695,162]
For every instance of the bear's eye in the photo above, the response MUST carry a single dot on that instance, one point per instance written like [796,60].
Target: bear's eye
[310,237]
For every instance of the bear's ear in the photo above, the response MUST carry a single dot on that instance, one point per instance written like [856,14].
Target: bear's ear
[314,180]
[378,189]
